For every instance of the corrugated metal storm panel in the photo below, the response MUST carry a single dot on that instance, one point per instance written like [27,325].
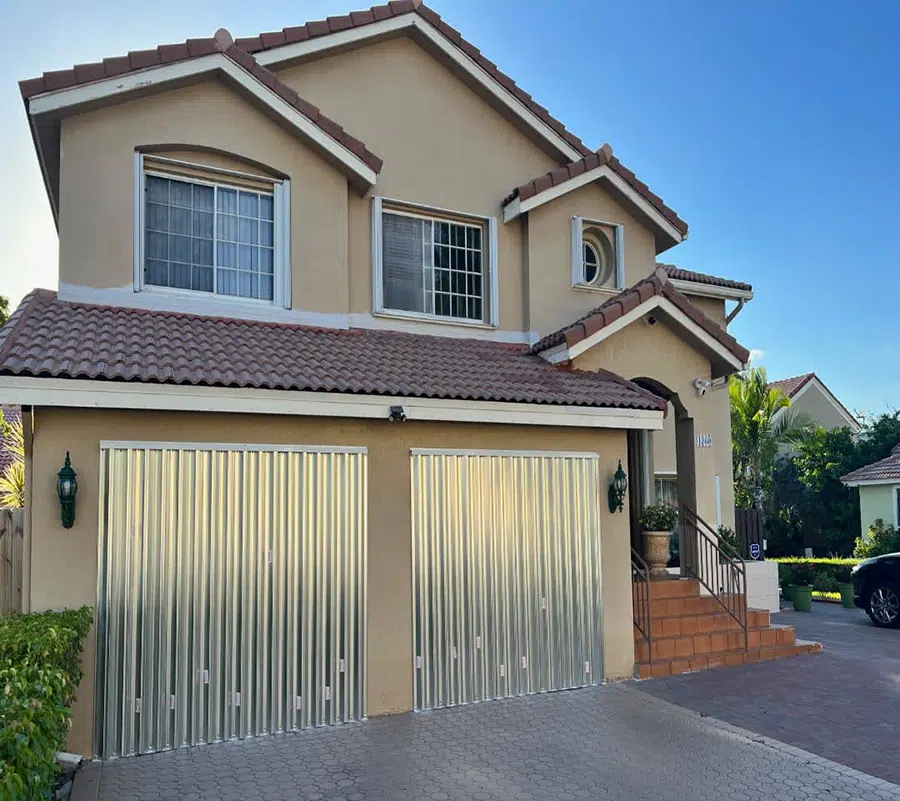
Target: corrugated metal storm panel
[231,593]
[506,574]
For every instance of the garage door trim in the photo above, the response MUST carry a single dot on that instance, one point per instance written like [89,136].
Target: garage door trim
[107,444]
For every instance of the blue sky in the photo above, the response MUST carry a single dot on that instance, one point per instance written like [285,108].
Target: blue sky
[772,127]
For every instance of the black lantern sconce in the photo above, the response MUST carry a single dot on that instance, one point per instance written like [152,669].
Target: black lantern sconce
[617,489]
[66,487]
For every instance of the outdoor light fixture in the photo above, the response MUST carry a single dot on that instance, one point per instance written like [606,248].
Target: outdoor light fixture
[66,487]
[617,489]
[397,414]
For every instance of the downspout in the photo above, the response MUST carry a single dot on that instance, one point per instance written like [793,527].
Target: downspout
[735,312]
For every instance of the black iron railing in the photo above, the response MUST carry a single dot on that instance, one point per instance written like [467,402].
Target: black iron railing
[717,566]
[640,587]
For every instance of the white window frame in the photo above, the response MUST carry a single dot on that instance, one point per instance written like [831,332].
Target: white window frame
[281,193]
[896,507]
[491,281]
[578,282]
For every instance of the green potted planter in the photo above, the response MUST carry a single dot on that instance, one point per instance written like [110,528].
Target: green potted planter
[802,598]
[845,587]
[802,591]
[787,592]
[846,591]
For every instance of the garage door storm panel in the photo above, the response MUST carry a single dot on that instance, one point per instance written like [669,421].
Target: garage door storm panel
[231,593]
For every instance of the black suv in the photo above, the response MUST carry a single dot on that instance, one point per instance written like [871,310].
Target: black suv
[876,588]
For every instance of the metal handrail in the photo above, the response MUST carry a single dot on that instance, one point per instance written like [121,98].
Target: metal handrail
[718,567]
[641,601]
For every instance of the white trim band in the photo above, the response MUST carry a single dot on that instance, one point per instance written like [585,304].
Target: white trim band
[699,289]
[477,452]
[79,393]
[108,444]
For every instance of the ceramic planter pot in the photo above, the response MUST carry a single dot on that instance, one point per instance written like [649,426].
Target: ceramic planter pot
[656,552]
[803,599]
[846,595]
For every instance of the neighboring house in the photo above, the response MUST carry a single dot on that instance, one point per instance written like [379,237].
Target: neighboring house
[350,338]
[879,490]
[811,397]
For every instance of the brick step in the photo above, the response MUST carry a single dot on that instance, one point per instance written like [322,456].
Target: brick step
[681,625]
[672,667]
[674,588]
[687,646]
[675,607]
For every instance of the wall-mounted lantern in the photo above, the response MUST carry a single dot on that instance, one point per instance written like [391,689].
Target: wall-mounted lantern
[66,487]
[617,489]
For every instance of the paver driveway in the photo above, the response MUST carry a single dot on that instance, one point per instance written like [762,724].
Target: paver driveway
[843,704]
[610,742]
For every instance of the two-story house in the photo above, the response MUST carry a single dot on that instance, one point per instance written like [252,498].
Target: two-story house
[350,339]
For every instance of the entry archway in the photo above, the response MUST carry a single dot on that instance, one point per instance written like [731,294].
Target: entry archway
[685,467]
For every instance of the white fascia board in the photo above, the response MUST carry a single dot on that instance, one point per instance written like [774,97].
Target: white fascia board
[163,75]
[518,207]
[875,482]
[666,306]
[710,291]
[852,423]
[78,393]
[352,36]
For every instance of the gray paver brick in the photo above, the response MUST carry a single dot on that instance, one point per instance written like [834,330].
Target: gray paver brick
[613,742]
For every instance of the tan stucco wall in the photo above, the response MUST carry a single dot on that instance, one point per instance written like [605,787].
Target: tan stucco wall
[96,221]
[813,402]
[714,308]
[64,563]
[442,146]
[553,301]
[642,350]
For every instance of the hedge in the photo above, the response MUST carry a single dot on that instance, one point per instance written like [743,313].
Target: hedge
[40,667]
[823,574]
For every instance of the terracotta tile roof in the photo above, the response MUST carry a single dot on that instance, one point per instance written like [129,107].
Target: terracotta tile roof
[885,470]
[591,161]
[222,43]
[630,299]
[791,386]
[359,19]
[680,274]
[54,338]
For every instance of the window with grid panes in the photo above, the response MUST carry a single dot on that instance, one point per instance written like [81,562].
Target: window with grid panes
[433,266]
[209,237]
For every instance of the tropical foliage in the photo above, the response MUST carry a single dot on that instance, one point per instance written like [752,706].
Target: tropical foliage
[12,481]
[4,309]
[807,506]
[757,433]
[40,667]
[880,539]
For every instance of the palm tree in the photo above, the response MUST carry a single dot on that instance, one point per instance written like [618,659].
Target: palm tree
[758,431]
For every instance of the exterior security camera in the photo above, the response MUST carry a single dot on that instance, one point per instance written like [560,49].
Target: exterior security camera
[651,320]
[702,385]
[397,415]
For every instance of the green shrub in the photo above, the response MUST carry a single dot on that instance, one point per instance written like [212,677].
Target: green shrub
[880,539]
[658,517]
[40,667]
[732,542]
[814,570]
[825,582]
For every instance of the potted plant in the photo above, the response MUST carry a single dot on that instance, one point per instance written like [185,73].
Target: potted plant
[845,587]
[730,544]
[802,593]
[657,521]
[786,580]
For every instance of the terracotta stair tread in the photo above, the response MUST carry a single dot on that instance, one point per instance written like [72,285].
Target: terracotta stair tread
[673,667]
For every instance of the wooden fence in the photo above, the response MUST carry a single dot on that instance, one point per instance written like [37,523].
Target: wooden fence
[749,528]
[11,555]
